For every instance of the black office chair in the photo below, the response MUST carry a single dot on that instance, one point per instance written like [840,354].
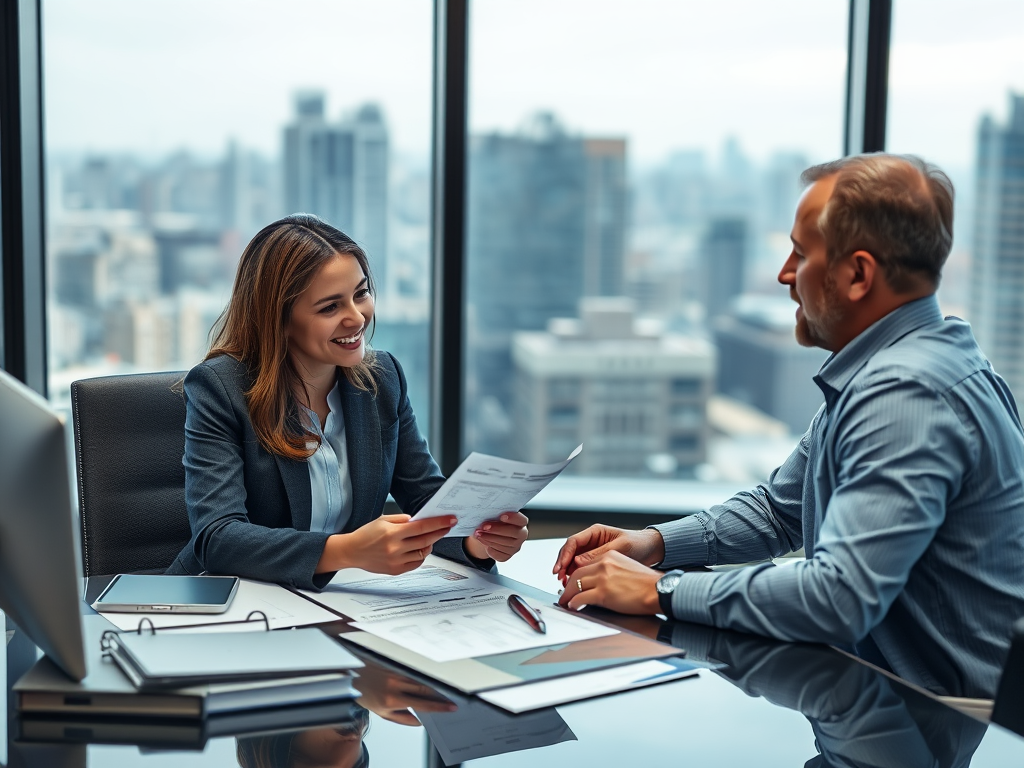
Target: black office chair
[1009,707]
[129,440]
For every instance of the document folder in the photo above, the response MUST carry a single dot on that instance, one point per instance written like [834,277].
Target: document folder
[155,660]
[106,692]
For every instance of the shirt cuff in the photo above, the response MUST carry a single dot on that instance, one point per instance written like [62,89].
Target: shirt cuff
[692,597]
[684,542]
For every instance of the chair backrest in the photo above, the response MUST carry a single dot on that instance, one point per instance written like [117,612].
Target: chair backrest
[1009,705]
[129,441]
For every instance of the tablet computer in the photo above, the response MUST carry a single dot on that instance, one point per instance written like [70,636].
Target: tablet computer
[134,593]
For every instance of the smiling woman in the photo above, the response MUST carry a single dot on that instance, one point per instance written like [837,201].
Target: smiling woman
[296,431]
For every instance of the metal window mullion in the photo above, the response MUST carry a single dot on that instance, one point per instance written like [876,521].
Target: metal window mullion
[867,79]
[451,53]
[22,231]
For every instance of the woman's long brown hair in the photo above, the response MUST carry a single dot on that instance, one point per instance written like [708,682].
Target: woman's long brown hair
[276,267]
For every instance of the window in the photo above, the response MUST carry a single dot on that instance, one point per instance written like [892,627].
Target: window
[628,183]
[176,129]
[956,97]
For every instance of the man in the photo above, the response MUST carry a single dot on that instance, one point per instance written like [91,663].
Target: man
[907,491]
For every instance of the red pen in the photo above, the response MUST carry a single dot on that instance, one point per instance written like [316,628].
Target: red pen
[530,615]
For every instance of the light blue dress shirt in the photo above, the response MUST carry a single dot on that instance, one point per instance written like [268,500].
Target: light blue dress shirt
[330,483]
[907,492]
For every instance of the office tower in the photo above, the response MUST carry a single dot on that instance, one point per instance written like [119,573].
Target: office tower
[547,214]
[339,171]
[633,395]
[189,255]
[997,274]
[724,259]
[761,364]
[781,189]
[402,327]
[141,334]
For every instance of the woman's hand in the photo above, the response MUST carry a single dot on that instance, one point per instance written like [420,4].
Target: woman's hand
[391,695]
[499,539]
[390,544]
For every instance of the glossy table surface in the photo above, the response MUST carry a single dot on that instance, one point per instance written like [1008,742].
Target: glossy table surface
[773,704]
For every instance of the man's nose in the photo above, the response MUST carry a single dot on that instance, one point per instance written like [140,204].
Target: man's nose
[787,275]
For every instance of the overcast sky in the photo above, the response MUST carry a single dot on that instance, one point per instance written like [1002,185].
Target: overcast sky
[155,76]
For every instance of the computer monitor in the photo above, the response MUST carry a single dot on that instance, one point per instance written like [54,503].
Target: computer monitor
[40,567]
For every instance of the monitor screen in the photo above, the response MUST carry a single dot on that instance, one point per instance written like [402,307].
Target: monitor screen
[40,575]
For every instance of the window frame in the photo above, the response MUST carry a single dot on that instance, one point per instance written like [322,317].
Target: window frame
[22,228]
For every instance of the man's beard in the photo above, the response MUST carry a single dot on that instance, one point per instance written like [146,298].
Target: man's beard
[818,332]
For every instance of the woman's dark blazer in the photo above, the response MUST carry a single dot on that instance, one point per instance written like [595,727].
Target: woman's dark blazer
[250,510]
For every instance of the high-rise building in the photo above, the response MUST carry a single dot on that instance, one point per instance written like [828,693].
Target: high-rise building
[339,171]
[724,257]
[547,217]
[761,364]
[633,395]
[997,273]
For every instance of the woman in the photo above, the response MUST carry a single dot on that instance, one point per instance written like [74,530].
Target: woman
[295,432]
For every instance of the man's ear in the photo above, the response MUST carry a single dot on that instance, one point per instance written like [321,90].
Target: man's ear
[862,271]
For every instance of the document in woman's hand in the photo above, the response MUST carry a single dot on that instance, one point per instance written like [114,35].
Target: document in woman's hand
[485,486]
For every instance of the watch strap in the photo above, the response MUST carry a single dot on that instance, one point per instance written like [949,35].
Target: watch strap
[665,602]
[665,598]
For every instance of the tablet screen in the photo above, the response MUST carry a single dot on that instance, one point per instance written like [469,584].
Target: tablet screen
[129,589]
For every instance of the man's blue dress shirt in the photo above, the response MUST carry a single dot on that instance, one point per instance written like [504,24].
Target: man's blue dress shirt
[907,493]
[330,482]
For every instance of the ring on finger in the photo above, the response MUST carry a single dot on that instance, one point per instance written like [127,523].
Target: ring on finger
[579,585]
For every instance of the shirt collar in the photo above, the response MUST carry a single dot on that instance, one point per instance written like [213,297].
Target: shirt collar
[842,366]
[334,398]
[333,403]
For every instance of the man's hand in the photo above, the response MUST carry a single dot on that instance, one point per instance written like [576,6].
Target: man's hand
[616,582]
[644,546]
[499,539]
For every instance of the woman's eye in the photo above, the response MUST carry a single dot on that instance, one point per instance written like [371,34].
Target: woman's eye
[328,308]
[362,293]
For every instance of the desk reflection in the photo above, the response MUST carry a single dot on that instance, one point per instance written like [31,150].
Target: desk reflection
[860,718]
[386,692]
[340,746]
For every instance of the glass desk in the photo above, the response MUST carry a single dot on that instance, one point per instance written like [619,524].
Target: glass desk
[773,704]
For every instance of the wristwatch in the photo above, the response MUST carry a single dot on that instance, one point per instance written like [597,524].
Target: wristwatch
[666,586]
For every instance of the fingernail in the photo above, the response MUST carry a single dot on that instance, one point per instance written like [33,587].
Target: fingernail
[504,518]
[477,534]
[487,527]
[452,520]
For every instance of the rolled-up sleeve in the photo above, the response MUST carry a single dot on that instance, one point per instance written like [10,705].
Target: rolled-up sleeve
[893,481]
[751,526]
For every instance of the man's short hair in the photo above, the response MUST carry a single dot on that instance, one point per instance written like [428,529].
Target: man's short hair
[898,208]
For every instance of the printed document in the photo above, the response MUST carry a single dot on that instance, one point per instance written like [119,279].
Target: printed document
[476,730]
[485,486]
[445,611]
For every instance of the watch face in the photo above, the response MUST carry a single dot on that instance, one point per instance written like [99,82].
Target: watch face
[668,582]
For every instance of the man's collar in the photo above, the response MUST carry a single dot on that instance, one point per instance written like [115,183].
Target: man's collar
[842,366]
